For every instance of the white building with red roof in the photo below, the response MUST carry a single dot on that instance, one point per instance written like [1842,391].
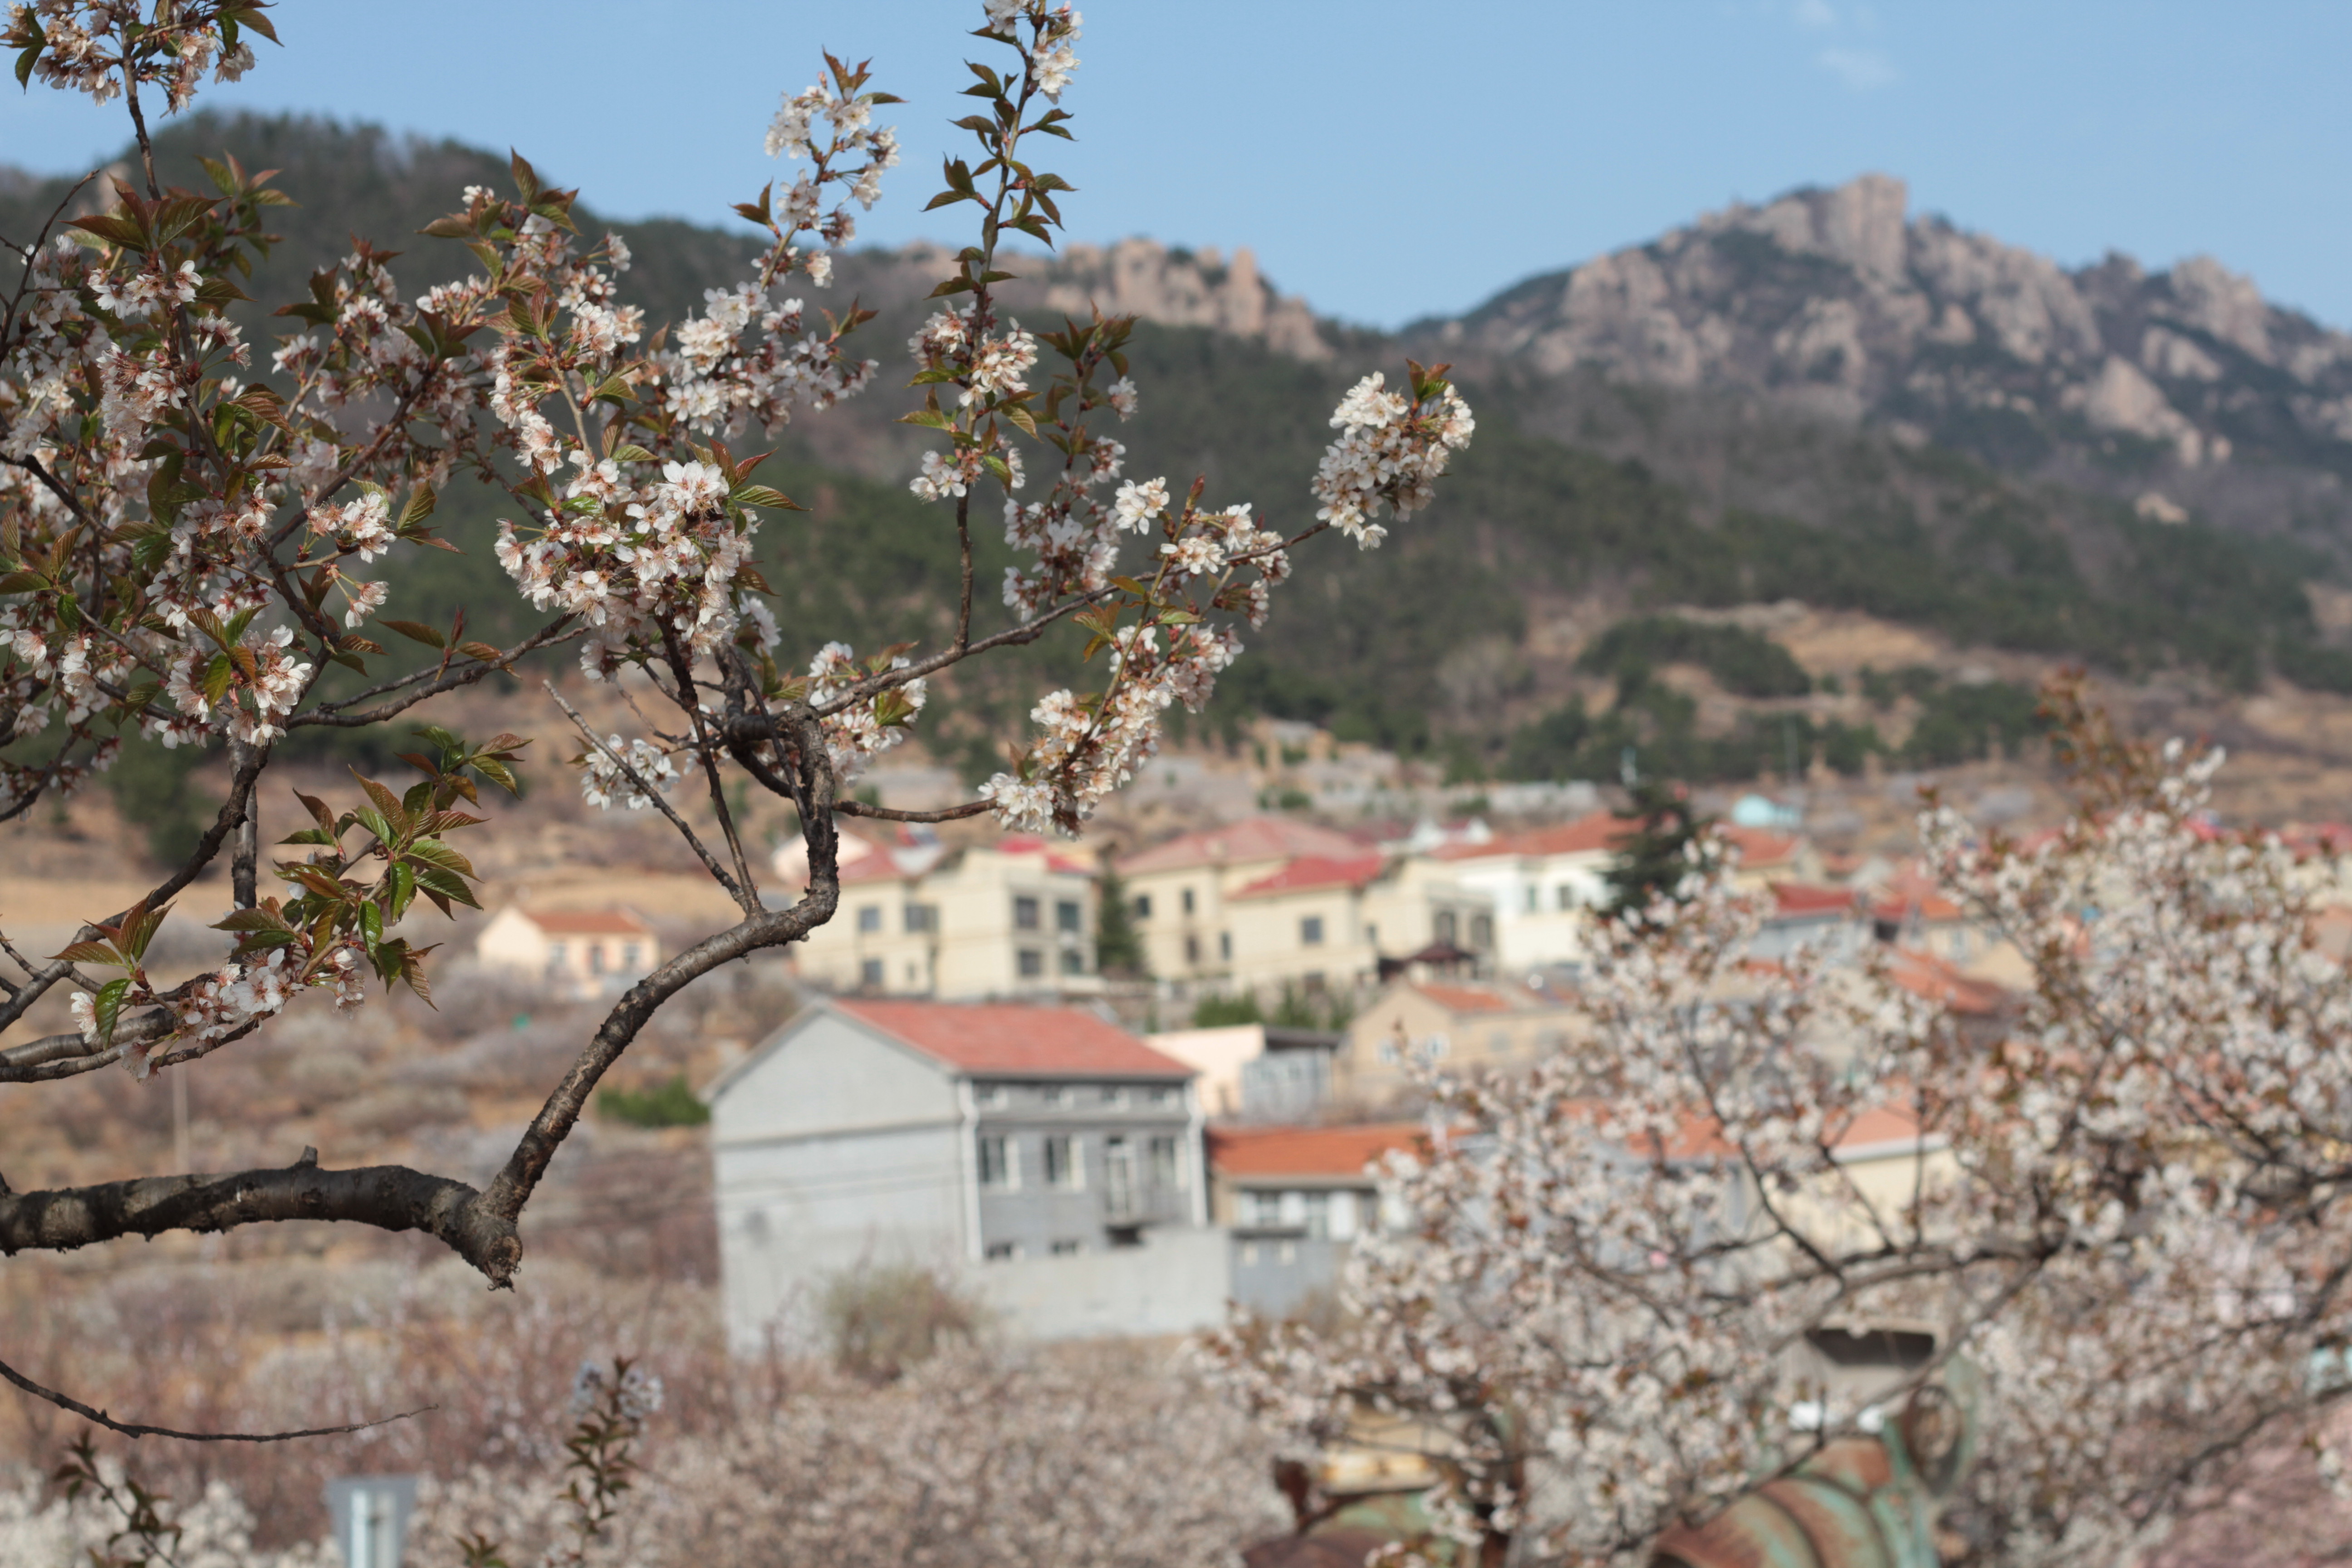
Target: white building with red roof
[583,952]
[1015,918]
[1542,883]
[1049,1155]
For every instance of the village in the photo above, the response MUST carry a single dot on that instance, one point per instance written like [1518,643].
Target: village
[1126,1121]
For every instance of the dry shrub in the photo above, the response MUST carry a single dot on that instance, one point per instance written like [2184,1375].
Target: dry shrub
[880,1320]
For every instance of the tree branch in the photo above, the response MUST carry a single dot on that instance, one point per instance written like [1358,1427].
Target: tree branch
[136,1430]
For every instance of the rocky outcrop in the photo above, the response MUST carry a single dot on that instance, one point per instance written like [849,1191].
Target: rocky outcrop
[1840,302]
[1183,288]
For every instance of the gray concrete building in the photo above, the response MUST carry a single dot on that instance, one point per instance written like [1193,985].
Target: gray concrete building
[989,1141]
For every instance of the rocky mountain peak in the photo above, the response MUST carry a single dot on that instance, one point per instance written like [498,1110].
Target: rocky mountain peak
[1840,303]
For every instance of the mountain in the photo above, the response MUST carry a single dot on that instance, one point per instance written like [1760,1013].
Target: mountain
[2183,390]
[1961,461]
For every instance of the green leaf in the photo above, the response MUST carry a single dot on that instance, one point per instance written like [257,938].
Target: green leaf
[109,1007]
[252,920]
[420,507]
[763,495]
[88,952]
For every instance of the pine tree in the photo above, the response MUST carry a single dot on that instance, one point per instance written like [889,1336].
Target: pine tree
[1654,853]
[1119,946]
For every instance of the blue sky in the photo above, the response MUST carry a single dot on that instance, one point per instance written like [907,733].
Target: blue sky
[1389,160]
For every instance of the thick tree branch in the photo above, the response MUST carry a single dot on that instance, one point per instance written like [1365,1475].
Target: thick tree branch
[389,1197]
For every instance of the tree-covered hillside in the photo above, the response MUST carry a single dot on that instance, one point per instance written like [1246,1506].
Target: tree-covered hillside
[1573,494]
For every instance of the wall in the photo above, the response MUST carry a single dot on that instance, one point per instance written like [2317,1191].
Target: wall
[1177,1282]
[829,1148]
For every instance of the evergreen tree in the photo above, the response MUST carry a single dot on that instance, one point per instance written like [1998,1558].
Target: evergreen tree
[1654,854]
[1119,946]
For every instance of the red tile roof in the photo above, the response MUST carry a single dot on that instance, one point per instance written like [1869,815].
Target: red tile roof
[1931,978]
[1585,835]
[1463,999]
[1759,847]
[1015,1040]
[1252,838]
[589,923]
[1799,899]
[1245,1151]
[1316,871]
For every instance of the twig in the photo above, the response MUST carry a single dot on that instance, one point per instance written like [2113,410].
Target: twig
[135,1429]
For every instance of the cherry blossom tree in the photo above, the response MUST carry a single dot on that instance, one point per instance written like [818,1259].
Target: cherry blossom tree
[189,539]
[2123,1212]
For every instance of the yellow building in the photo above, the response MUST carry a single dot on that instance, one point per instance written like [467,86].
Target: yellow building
[1463,1027]
[917,919]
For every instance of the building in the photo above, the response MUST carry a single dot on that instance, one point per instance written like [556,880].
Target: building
[1176,891]
[1295,1199]
[583,952]
[1542,883]
[986,1138]
[918,919]
[1501,1026]
[1264,1072]
[1270,905]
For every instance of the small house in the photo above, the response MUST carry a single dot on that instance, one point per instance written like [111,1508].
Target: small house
[583,953]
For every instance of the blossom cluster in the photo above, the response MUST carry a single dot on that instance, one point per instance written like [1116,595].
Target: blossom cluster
[858,730]
[604,783]
[93,46]
[1391,450]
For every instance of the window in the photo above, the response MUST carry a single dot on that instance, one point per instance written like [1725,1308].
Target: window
[1066,916]
[555,955]
[1032,963]
[629,953]
[1535,898]
[1026,911]
[1054,1095]
[1069,1248]
[990,1095]
[1318,1214]
[869,917]
[1062,1168]
[1387,1052]
[1143,906]
[1188,900]
[1000,1163]
[596,958]
[869,975]
[1482,930]
[1225,945]
[1261,1208]
[1165,1174]
[1566,896]
[922,917]
[1371,933]
[1192,949]
[1003,1251]
[1160,1094]
[1310,930]
[1443,925]
[1074,960]
[1113,1096]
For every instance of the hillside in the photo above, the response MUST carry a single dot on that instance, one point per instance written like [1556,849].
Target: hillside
[1820,401]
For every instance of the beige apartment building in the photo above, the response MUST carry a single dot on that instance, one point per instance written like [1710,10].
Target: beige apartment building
[1268,902]
[1463,1027]
[1011,919]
